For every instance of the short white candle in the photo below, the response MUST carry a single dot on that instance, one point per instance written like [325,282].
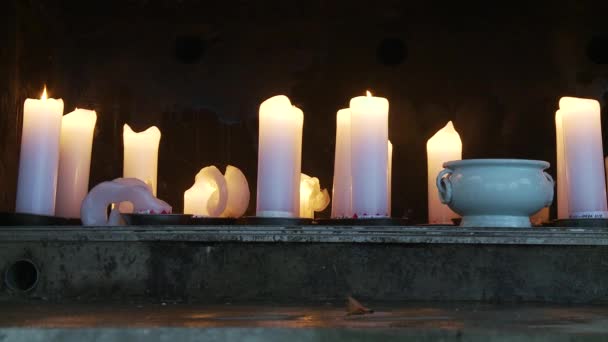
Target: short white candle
[141,155]
[369,156]
[279,158]
[77,130]
[341,195]
[444,146]
[562,182]
[584,156]
[39,158]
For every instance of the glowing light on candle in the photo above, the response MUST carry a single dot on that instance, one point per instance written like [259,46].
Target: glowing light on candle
[209,194]
[43,96]
[312,198]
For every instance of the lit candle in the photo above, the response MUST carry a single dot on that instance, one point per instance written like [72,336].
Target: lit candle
[311,197]
[444,146]
[341,194]
[369,156]
[389,169]
[584,157]
[279,158]
[141,155]
[39,158]
[74,161]
[562,182]
[209,194]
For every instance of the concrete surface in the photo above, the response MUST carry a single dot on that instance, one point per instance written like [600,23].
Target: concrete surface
[263,322]
[314,234]
[308,264]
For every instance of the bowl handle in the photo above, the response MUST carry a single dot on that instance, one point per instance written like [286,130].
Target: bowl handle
[444,186]
[550,179]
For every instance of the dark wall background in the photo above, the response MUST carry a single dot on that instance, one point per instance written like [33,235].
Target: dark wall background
[200,69]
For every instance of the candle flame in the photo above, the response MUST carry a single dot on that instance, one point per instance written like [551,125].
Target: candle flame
[43,97]
[368,93]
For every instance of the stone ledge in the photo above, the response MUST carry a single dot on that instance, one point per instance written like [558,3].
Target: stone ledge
[314,234]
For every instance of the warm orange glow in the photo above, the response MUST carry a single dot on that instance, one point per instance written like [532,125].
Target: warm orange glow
[368,93]
[43,97]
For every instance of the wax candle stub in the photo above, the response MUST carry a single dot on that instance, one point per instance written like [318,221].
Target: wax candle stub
[209,194]
[444,146]
[217,195]
[279,158]
[76,144]
[121,190]
[39,157]
[238,192]
[312,198]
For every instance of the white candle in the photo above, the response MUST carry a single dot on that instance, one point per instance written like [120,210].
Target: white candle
[74,161]
[444,146]
[584,157]
[341,194]
[562,182]
[389,169]
[39,158]
[279,158]
[209,194]
[312,198]
[141,155]
[369,156]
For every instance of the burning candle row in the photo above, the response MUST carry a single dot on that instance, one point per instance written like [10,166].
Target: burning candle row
[56,153]
[55,158]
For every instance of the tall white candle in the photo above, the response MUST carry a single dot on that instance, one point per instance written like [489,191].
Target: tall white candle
[444,146]
[141,155]
[562,182]
[369,156]
[341,196]
[584,156]
[39,158]
[279,158]
[74,161]
[389,169]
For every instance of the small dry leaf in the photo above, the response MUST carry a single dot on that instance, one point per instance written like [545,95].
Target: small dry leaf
[353,307]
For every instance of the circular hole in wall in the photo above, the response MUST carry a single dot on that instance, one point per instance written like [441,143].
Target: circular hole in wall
[21,276]
[189,49]
[391,51]
[597,49]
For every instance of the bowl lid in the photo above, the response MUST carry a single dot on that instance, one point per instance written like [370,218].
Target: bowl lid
[497,162]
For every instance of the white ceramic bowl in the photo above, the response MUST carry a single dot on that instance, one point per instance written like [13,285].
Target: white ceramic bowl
[495,192]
